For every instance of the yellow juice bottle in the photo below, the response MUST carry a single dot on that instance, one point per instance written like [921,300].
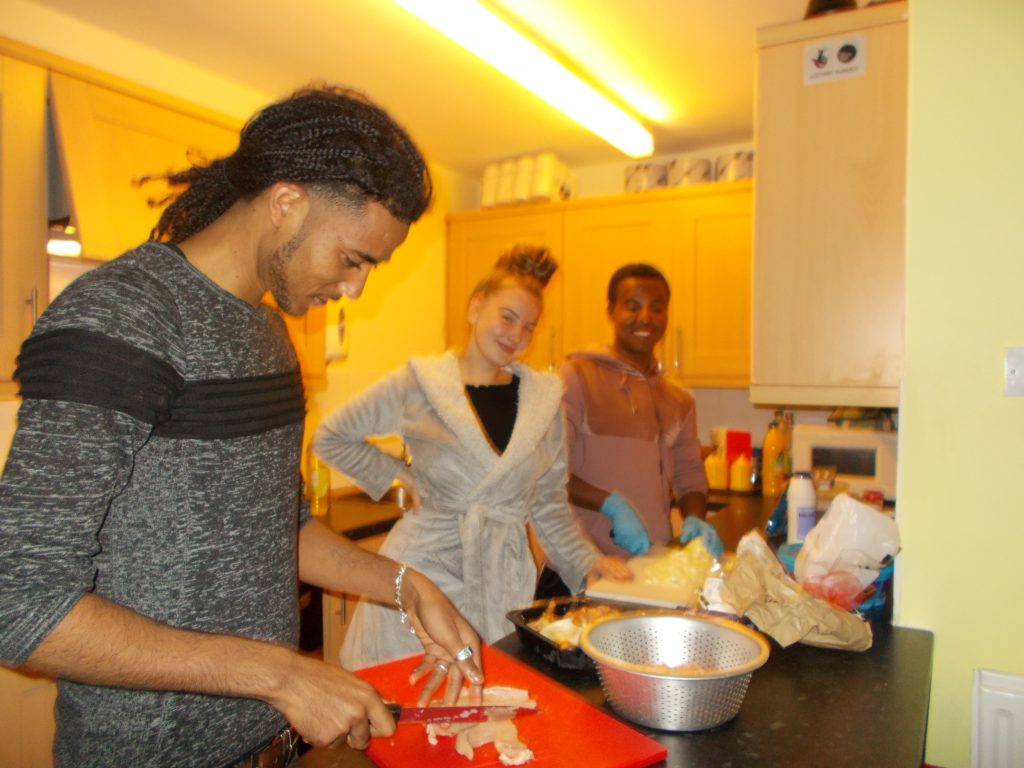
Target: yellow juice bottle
[773,461]
[318,483]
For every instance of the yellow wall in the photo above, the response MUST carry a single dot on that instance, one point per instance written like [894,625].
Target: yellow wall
[962,441]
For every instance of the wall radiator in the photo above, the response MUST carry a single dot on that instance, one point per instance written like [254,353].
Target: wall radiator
[997,724]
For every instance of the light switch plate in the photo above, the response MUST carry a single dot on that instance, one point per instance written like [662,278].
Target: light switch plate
[1014,372]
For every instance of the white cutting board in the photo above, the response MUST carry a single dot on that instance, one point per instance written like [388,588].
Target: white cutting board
[636,591]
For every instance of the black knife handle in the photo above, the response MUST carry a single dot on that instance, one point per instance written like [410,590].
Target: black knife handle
[394,708]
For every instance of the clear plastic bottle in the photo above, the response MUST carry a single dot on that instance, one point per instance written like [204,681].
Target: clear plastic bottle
[773,458]
[801,502]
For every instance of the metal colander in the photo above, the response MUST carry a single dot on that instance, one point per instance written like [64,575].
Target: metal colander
[674,671]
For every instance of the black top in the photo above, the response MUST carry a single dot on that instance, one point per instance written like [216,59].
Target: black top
[496,406]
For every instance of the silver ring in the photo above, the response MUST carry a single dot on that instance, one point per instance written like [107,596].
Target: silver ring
[442,666]
[464,653]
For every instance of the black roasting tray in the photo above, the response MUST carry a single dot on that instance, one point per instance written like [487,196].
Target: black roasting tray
[567,658]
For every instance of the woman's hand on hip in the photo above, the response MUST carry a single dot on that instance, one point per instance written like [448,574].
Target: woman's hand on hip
[412,500]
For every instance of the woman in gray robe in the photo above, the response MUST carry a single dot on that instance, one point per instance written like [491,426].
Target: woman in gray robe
[485,437]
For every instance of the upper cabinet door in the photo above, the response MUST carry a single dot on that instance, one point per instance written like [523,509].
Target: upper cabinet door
[711,288]
[108,142]
[475,241]
[829,212]
[700,239]
[23,213]
[599,239]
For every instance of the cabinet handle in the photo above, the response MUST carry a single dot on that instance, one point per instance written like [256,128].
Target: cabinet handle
[33,301]
[677,362]
[551,350]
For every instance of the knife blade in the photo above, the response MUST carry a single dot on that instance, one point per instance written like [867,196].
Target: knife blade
[470,713]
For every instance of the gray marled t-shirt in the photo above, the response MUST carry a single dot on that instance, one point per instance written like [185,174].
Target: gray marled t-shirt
[156,464]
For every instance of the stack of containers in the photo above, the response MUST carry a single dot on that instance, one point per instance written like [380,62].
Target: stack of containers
[527,178]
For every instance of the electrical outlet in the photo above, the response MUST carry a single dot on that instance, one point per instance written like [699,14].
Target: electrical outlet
[1014,372]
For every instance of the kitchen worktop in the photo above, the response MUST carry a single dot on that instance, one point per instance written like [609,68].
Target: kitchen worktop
[353,513]
[805,707]
[357,516]
[734,513]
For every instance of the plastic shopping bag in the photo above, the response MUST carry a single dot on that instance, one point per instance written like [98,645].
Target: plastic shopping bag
[845,552]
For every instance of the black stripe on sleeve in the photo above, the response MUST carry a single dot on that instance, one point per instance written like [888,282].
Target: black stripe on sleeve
[80,366]
[87,367]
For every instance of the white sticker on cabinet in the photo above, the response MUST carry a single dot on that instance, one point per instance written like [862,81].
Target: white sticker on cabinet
[836,59]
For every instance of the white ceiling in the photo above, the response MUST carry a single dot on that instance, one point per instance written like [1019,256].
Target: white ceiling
[696,57]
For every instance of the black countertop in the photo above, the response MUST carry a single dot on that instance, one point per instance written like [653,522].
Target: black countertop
[806,707]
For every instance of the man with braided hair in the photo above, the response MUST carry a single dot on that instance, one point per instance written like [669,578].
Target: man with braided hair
[151,511]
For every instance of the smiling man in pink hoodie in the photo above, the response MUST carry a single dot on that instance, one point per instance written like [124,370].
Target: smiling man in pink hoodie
[633,446]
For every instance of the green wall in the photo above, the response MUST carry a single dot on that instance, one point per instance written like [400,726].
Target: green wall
[962,441]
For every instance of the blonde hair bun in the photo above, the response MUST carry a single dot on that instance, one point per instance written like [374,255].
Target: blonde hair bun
[528,266]
[528,261]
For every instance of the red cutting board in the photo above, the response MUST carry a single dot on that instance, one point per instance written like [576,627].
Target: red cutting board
[565,730]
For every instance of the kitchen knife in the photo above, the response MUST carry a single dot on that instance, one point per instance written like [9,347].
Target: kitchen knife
[470,713]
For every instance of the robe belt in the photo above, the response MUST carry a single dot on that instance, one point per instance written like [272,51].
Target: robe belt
[495,565]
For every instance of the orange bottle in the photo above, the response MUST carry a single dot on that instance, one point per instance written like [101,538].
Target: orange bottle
[773,458]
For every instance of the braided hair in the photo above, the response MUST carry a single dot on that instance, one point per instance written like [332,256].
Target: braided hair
[333,140]
[528,266]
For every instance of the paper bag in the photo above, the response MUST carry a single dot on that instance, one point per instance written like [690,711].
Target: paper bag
[759,588]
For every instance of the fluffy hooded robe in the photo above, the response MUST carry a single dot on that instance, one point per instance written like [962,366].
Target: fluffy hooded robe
[469,536]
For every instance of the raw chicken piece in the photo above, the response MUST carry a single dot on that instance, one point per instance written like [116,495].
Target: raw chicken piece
[499,695]
[502,733]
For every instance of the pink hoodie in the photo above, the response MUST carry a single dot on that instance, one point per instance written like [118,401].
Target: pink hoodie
[631,432]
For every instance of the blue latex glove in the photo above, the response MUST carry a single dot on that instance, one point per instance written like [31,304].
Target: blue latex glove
[627,530]
[694,527]
[776,525]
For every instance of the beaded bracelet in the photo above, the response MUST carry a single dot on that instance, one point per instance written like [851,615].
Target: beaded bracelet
[402,615]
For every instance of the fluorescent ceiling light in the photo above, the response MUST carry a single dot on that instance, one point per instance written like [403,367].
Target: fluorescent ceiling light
[482,32]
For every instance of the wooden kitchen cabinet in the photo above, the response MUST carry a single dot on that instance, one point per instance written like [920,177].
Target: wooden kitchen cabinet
[23,208]
[600,238]
[828,285]
[26,707]
[475,241]
[699,236]
[108,141]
